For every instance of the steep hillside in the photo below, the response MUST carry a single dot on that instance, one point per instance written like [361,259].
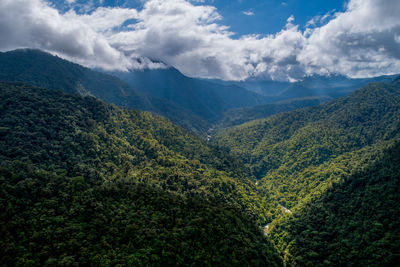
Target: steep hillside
[239,116]
[330,175]
[87,183]
[42,69]
[353,223]
[285,150]
[206,99]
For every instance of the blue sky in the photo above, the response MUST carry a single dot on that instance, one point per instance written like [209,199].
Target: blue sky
[242,16]
[219,39]
[270,16]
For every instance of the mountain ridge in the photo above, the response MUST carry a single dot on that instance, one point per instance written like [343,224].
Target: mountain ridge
[89,183]
[192,103]
[205,98]
[285,145]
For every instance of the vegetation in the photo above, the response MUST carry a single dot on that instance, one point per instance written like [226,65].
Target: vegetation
[286,149]
[336,167]
[208,100]
[353,223]
[39,68]
[192,103]
[83,182]
[239,116]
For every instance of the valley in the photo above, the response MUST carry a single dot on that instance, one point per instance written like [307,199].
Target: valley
[155,168]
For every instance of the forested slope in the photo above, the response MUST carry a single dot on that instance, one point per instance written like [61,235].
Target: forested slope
[83,182]
[336,167]
[206,99]
[286,149]
[355,222]
[192,103]
[39,68]
[239,116]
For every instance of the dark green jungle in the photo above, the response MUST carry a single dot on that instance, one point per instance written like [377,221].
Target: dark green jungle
[94,172]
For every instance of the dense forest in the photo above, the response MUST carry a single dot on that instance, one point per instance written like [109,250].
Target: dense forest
[330,174]
[39,68]
[84,182]
[286,150]
[234,117]
[309,181]
[192,103]
[355,222]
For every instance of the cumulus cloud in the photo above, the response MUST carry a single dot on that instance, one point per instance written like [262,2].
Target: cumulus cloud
[364,40]
[80,38]
[359,42]
[34,24]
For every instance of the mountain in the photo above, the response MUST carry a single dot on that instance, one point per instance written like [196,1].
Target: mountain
[192,103]
[286,148]
[354,223]
[83,182]
[206,99]
[267,88]
[334,86]
[88,183]
[42,69]
[330,177]
[239,116]
[329,86]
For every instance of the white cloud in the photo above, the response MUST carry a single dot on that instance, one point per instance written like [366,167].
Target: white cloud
[359,42]
[362,41]
[248,13]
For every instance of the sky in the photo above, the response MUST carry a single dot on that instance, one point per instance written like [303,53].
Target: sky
[219,39]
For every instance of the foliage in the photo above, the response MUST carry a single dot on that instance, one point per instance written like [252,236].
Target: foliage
[83,182]
[206,99]
[58,220]
[239,116]
[336,167]
[87,183]
[38,68]
[353,223]
[192,103]
[285,149]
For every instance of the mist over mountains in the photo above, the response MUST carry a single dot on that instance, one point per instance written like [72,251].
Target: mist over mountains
[152,167]
[196,104]
[199,133]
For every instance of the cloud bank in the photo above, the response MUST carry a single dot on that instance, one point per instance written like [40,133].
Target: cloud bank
[362,41]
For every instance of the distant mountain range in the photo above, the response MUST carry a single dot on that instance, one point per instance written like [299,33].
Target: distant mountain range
[285,96]
[316,85]
[312,180]
[195,104]
[204,98]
